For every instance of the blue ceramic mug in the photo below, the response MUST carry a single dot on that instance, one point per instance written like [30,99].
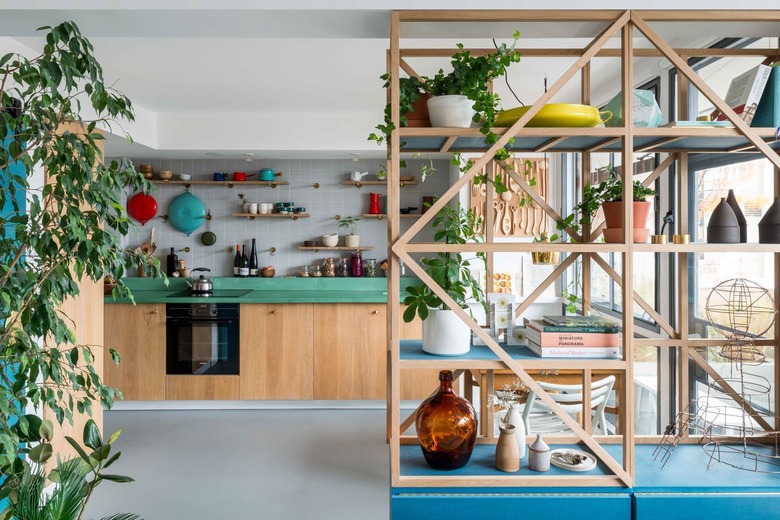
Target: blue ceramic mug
[218,176]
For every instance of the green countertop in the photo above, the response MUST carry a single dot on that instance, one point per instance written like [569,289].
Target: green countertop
[267,290]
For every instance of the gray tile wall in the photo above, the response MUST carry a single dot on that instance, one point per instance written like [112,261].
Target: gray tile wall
[332,198]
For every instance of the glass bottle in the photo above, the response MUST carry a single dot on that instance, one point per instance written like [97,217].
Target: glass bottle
[243,268]
[237,261]
[446,427]
[369,267]
[329,267]
[356,265]
[172,263]
[343,267]
[253,263]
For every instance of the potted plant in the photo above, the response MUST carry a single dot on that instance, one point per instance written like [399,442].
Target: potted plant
[444,333]
[348,224]
[545,257]
[65,233]
[609,195]
[469,82]
[464,95]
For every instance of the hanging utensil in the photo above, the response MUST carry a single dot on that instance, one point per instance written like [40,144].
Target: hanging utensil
[506,222]
[514,209]
[208,238]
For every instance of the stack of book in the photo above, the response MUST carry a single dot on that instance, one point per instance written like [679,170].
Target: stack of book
[573,336]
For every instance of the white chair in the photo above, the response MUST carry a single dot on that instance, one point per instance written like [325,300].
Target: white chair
[538,418]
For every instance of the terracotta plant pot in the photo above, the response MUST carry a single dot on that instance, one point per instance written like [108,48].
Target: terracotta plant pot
[613,214]
[419,117]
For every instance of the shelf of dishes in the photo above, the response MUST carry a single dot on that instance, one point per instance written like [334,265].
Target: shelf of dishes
[408,182]
[228,184]
[252,216]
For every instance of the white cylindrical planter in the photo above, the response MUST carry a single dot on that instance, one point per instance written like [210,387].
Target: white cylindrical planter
[445,334]
[352,240]
[451,111]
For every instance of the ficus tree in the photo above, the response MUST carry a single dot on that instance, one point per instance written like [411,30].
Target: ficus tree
[52,107]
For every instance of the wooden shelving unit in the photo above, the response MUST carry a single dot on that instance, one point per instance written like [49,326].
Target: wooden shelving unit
[618,462]
[382,216]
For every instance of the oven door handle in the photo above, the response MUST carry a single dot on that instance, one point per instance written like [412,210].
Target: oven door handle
[208,321]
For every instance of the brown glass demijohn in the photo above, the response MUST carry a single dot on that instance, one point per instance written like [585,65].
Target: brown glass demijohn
[446,427]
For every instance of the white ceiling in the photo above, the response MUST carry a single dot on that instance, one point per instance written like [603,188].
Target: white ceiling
[187,65]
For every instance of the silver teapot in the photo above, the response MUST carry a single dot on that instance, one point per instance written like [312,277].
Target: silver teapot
[203,284]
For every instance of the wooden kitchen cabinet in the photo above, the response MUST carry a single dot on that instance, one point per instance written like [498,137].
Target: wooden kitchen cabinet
[201,387]
[276,351]
[137,332]
[350,354]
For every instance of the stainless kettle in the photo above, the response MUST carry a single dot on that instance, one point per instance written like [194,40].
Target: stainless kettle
[203,284]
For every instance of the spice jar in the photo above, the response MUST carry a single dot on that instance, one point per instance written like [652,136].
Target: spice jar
[342,269]
[303,272]
[356,264]
[369,267]
[329,267]
[315,271]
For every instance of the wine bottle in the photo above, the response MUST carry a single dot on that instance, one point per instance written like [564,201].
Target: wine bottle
[253,260]
[237,261]
[172,264]
[243,268]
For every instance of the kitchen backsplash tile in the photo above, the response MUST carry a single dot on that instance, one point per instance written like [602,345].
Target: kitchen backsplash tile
[323,203]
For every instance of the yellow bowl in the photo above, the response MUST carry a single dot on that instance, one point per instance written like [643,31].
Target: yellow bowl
[555,115]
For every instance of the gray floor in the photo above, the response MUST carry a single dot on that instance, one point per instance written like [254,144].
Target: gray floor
[249,464]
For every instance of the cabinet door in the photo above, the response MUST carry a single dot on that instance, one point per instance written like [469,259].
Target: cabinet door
[201,388]
[276,351]
[350,352]
[138,334]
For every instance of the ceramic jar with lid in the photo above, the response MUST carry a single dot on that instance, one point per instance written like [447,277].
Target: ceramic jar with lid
[539,455]
[369,267]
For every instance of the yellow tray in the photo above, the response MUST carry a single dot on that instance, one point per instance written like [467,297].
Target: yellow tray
[555,115]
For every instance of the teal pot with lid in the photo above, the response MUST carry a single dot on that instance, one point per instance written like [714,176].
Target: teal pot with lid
[186,213]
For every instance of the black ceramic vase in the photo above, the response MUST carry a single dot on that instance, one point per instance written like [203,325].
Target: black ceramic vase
[741,220]
[723,227]
[769,225]
[446,427]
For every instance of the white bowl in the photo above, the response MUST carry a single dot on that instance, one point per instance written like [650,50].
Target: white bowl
[330,240]
[184,176]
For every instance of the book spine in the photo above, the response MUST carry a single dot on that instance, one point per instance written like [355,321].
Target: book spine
[574,352]
[544,327]
[756,91]
[572,339]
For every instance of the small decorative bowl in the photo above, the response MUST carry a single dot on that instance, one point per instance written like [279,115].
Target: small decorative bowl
[309,243]
[184,176]
[165,175]
[299,209]
[330,240]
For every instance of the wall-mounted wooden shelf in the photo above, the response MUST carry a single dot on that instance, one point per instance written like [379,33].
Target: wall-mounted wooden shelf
[360,184]
[228,184]
[382,216]
[336,248]
[252,216]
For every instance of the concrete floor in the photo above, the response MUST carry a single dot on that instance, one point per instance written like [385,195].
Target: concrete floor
[264,464]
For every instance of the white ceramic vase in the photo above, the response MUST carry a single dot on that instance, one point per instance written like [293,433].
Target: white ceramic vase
[516,420]
[445,334]
[451,111]
[352,240]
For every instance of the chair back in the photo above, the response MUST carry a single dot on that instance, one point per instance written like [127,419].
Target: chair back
[570,398]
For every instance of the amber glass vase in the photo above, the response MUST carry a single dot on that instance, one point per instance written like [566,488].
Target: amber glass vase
[446,427]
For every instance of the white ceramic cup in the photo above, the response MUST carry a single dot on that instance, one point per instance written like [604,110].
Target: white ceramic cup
[253,208]
[265,208]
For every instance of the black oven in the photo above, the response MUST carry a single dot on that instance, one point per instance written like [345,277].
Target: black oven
[202,338]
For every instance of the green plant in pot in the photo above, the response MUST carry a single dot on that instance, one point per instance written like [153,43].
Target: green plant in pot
[444,333]
[609,195]
[55,235]
[348,225]
[546,257]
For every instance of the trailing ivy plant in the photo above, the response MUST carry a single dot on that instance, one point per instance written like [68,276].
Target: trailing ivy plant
[69,231]
[451,271]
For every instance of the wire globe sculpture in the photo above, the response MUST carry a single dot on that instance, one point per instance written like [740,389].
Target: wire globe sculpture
[741,310]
